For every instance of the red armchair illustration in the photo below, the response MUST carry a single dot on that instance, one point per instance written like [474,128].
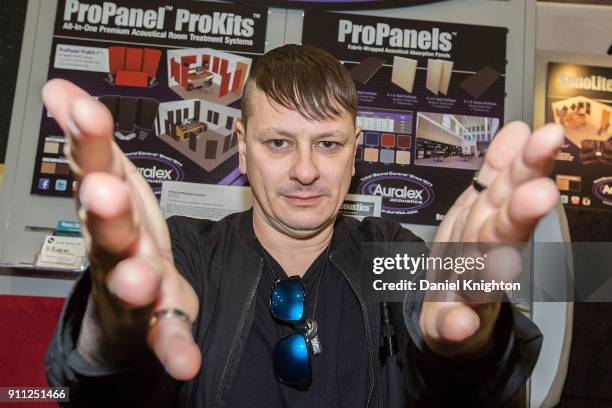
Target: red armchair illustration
[133,66]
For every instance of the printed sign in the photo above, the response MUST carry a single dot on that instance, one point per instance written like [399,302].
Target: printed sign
[171,75]
[430,102]
[579,98]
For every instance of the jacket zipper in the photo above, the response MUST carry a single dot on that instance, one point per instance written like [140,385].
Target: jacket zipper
[241,325]
[367,332]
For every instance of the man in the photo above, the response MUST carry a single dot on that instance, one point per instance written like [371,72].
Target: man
[149,280]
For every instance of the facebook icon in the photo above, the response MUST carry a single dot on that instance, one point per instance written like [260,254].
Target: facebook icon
[44,183]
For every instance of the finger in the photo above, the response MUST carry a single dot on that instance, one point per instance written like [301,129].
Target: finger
[515,221]
[502,150]
[144,200]
[451,328]
[171,339]
[91,131]
[172,343]
[107,213]
[135,281]
[448,328]
[535,160]
[58,96]
[456,322]
[87,124]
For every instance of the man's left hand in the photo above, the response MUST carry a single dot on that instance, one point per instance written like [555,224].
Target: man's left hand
[517,196]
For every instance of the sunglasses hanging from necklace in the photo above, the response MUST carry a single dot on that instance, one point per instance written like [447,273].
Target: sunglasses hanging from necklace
[292,354]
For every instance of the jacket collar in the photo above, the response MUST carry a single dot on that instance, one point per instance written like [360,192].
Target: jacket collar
[346,241]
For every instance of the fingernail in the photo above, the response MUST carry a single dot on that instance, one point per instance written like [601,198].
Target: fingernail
[72,128]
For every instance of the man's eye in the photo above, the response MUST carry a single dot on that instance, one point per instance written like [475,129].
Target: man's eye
[326,144]
[279,143]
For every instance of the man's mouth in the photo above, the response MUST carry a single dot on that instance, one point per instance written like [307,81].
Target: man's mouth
[302,200]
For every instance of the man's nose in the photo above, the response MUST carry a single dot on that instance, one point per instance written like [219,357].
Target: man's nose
[304,169]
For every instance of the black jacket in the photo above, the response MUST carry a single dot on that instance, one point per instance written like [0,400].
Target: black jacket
[225,272]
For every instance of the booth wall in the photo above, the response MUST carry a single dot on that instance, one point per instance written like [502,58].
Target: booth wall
[580,34]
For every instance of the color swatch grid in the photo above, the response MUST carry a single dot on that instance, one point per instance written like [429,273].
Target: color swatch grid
[383,147]
[54,145]
[386,136]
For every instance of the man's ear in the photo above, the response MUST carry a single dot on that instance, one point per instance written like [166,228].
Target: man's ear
[358,131]
[241,131]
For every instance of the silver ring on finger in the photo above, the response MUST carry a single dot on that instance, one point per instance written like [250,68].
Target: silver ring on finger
[163,314]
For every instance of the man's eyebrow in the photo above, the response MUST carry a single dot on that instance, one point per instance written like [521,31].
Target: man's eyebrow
[274,131]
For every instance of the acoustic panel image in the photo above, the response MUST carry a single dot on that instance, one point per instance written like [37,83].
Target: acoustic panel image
[203,131]
[133,117]
[129,66]
[439,74]
[478,83]
[434,72]
[366,69]
[207,74]
[445,77]
[403,73]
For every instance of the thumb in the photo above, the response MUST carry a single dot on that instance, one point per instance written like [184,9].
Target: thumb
[457,322]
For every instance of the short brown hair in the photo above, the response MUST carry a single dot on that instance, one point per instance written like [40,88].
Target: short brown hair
[302,78]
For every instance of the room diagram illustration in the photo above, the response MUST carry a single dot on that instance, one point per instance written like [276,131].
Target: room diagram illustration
[202,131]
[207,74]
[455,141]
[587,125]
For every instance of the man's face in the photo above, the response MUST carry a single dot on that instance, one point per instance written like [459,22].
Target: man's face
[299,169]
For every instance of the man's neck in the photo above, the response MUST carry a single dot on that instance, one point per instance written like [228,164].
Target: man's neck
[294,254]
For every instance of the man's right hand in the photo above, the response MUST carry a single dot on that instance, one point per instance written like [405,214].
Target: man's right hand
[127,240]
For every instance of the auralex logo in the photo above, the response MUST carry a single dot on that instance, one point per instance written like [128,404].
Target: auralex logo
[602,189]
[405,192]
[156,168]
[402,193]
[155,173]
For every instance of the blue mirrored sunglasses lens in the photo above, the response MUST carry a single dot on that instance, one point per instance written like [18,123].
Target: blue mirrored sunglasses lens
[287,300]
[291,360]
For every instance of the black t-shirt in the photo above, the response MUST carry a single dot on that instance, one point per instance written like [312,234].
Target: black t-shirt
[339,373]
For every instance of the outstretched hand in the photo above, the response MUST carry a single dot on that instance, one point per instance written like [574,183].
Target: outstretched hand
[126,236]
[517,196]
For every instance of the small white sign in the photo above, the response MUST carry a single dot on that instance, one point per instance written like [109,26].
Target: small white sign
[207,201]
[361,206]
[214,202]
[80,58]
[62,252]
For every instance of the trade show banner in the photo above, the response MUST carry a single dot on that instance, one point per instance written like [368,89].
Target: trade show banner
[170,73]
[340,4]
[579,98]
[431,98]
